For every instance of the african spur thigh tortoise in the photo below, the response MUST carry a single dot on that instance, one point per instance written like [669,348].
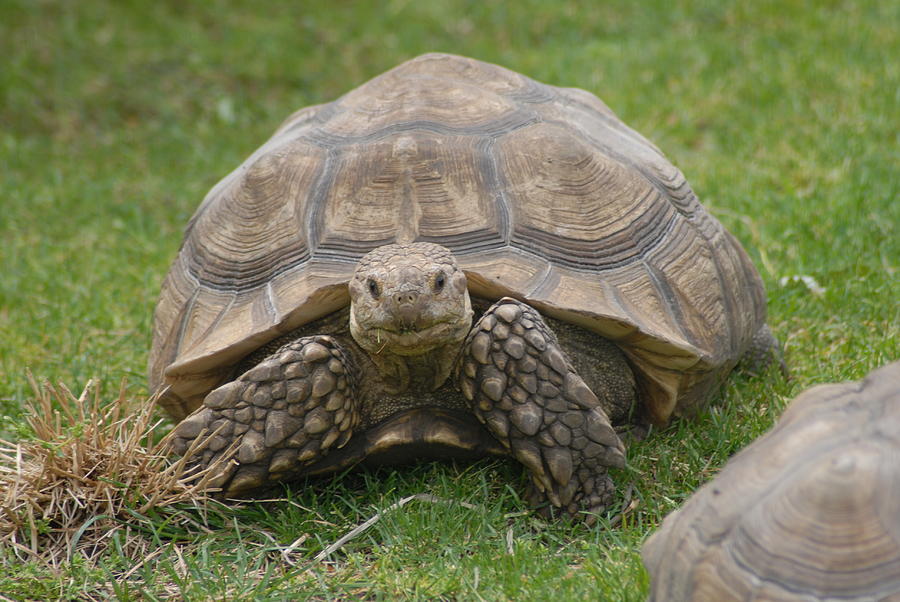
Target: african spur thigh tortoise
[809,511]
[451,260]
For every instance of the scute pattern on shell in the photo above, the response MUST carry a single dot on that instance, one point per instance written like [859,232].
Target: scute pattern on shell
[541,193]
[809,511]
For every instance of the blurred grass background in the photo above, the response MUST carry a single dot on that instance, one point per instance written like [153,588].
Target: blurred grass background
[117,117]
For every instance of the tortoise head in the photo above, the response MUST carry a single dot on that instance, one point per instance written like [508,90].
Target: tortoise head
[409,299]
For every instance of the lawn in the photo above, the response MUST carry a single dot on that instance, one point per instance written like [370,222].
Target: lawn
[117,117]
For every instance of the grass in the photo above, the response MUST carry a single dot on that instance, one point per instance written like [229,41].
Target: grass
[90,468]
[116,117]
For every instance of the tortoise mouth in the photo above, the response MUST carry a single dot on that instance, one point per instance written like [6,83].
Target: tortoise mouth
[408,340]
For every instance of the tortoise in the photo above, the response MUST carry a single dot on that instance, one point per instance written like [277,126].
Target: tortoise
[451,260]
[809,511]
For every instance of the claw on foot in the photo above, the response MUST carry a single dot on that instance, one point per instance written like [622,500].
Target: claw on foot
[280,416]
[525,391]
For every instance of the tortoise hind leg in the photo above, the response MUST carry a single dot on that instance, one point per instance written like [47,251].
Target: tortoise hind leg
[525,391]
[282,414]
[765,350]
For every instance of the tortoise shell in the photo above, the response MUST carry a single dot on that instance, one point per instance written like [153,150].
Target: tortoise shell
[541,192]
[809,511]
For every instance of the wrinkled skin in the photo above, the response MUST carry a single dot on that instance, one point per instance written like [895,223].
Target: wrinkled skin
[410,310]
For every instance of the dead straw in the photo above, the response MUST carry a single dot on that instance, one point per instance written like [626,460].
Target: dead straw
[90,471]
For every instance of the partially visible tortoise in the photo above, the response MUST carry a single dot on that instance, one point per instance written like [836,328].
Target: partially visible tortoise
[319,310]
[809,511]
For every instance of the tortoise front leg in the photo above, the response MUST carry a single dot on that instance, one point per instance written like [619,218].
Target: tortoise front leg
[282,414]
[527,394]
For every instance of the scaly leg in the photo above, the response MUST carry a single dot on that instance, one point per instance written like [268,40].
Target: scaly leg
[527,394]
[282,414]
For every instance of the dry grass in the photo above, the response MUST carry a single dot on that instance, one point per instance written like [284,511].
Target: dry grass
[90,475]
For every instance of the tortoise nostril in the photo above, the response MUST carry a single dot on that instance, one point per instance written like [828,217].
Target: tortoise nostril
[406,298]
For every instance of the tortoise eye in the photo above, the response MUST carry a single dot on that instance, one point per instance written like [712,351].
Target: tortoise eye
[373,288]
[439,281]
